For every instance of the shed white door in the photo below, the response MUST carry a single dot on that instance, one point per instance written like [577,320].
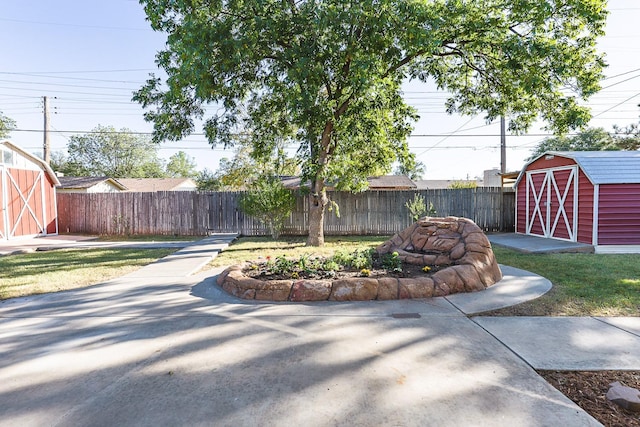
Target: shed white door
[552,197]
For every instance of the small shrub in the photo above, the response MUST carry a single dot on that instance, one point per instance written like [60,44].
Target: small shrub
[362,259]
[270,203]
[418,208]
[330,265]
[392,262]
[458,185]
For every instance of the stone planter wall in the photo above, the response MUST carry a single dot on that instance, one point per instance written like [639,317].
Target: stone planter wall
[457,242]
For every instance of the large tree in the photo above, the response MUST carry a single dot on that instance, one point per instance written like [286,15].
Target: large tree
[118,154]
[327,74]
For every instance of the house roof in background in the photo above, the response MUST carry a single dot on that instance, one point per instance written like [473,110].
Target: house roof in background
[395,182]
[157,184]
[437,184]
[391,181]
[83,182]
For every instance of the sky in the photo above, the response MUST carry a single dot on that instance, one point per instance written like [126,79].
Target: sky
[87,58]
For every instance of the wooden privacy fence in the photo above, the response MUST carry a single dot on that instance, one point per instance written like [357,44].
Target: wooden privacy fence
[196,213]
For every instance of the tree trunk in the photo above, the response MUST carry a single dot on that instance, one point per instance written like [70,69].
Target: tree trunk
[317,204]
[318,199]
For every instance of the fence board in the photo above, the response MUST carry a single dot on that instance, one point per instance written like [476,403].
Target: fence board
[196,213]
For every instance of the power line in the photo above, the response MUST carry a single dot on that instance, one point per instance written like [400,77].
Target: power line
[100,27]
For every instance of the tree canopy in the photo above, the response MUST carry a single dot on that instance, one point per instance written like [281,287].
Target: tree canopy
[181,165]
[327,74]
[6,125]
[592,139]
[107,152]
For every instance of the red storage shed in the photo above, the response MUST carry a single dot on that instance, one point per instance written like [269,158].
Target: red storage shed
[590,197]
[27,194]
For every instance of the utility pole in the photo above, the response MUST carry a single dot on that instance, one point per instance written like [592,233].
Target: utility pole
[46,146]
[503,146]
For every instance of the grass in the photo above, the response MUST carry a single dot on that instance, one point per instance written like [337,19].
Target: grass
[252,248]
[52,271]
[583,284]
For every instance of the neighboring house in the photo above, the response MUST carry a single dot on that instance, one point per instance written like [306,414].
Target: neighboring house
[391,182]
[146,185]
[89,184]
[379,183]
[27,194]
[590,197]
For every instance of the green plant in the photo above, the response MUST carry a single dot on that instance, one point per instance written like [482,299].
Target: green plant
[282,265]
[458,185]
[358,258]
[270,203]
[417,208]
[392,262]
[362,258]
[330,265]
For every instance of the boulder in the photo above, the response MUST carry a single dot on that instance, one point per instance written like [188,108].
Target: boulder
[627,397]
[457,243]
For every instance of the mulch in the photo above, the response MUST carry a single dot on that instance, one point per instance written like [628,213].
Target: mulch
[588,390]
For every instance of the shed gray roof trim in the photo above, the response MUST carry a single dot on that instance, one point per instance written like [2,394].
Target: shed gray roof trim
[603,167]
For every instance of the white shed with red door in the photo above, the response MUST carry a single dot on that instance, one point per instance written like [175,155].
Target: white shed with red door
[590,197]
[27,194]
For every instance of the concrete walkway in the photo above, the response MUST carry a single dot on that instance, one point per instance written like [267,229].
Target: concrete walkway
[162,346]
[533,244]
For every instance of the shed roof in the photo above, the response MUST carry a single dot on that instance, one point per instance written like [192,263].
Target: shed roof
[602,167]
[41,163]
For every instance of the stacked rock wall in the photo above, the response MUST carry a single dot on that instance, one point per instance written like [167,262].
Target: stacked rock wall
[457,242]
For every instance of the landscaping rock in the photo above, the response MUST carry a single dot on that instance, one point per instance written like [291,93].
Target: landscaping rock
[274,290]
[627,397]
[447,241]
[310,290]
[387,288]
[457,244]
[355,289]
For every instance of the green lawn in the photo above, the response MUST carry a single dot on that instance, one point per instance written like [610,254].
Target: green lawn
[52,271]
[583,284]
